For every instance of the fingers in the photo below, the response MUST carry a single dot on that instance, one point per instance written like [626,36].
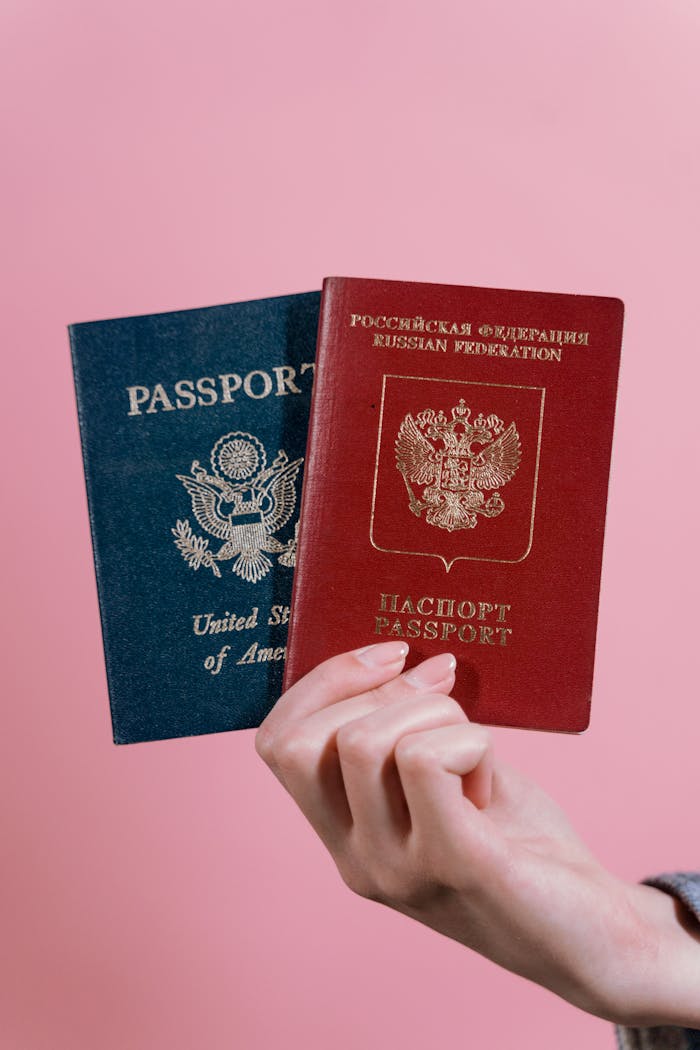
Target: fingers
[387,768]
[337,679]
[435,674]
[366,753]
[304,753]
[446,776]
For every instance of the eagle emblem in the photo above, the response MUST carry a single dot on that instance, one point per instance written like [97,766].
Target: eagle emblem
[454,462]
[243,503]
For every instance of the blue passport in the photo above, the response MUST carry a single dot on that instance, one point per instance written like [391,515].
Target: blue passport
[193,427]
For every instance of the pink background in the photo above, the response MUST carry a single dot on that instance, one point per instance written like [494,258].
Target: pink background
[168,155]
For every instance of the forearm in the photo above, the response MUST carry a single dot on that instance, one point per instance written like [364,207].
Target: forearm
[664,987]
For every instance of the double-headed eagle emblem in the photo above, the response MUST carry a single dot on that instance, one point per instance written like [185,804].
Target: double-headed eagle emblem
[455,461]
[242,503]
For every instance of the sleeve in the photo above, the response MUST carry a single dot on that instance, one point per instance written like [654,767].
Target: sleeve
[686,887]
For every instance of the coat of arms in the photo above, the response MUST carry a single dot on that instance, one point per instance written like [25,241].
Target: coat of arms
[455,461]
[244,502]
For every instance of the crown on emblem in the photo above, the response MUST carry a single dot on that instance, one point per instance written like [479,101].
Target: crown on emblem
[491,422]
[435,424]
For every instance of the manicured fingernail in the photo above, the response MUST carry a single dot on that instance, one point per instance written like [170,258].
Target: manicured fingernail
[431,671]
[383,653]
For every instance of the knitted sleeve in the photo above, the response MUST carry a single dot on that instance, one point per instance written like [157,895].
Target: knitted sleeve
[685,886]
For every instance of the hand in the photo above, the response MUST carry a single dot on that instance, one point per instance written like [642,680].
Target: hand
[418,814]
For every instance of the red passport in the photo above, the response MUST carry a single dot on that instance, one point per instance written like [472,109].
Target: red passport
[457,474]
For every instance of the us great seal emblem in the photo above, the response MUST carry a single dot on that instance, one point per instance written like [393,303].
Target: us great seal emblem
[244,502]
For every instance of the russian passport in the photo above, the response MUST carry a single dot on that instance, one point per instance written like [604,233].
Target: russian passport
[455,489]
[193,428]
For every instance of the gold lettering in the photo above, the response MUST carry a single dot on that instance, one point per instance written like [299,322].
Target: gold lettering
[229,383]
[285,380]
[248,384]
[448,628]
[449,625]
[205,388]
[159,397]
[137,396]
[249,655]
[184,388]
[278,614]
[196,626]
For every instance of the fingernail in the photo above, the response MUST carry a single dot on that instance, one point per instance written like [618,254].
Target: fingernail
[382,653]
[431,671]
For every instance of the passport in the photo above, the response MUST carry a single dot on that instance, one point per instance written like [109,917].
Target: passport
[457,474]
[193,428]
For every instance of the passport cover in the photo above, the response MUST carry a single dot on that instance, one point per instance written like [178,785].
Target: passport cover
[458,463]
[193,427]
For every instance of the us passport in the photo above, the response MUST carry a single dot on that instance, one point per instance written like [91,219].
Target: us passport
[457,474]
[193,429]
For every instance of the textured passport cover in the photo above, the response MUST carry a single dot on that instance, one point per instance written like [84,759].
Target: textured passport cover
[193,428]
[455,494]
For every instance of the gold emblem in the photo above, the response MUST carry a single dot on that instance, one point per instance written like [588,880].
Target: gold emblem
[454,461]
[242,503]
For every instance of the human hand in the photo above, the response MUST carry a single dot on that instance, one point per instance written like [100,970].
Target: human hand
[419,815]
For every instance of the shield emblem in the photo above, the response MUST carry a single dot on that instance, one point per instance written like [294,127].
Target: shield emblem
[456,469]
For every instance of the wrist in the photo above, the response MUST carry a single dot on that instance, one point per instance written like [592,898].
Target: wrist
[663,984]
